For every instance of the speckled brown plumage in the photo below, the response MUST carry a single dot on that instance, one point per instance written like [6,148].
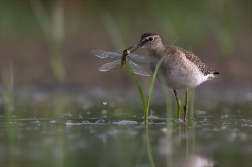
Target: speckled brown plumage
[193,58]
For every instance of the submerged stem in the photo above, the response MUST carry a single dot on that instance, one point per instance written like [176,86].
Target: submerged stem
[148,146]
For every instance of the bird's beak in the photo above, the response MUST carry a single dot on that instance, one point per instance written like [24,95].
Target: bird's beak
[135,47]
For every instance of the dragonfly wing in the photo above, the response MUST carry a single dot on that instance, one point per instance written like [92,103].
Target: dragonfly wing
[142,59]
[139,70]
[108,66]
[105,54]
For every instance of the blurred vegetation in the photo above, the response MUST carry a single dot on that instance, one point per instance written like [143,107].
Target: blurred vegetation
[7,92]
[53,29]
[47,44]
[55,37]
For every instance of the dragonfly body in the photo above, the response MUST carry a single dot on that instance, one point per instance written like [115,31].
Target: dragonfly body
[124,56]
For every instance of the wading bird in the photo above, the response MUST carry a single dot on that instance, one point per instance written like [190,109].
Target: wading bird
[180,68]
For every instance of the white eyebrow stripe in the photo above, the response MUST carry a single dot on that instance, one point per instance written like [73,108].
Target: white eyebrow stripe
[151,36]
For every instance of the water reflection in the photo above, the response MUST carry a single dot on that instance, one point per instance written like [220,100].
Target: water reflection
[180,141]
[104,142]
[197,161]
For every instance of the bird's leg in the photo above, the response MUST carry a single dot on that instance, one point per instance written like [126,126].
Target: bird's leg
[178,104]
[186,105]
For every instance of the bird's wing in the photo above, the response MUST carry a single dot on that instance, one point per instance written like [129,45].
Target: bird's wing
[193,58]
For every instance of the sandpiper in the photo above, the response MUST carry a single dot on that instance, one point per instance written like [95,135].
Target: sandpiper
[180,68]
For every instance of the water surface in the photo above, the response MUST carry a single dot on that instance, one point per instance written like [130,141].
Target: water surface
[82,131]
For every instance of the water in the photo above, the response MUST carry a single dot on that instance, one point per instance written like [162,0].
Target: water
[203,141]
[83,131]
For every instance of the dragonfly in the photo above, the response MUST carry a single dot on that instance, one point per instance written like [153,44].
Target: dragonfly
[121,59]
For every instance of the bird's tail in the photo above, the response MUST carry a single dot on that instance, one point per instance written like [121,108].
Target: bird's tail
[213,74]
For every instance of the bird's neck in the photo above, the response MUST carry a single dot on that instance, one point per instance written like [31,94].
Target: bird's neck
[158,51]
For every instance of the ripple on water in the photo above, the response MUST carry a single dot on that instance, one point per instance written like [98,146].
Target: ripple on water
[53,121]
[100,121]
[125,122]
[86,122]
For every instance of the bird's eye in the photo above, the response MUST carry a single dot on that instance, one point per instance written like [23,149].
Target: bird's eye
[151,39]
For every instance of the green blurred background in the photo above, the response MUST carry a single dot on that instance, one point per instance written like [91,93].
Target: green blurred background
[48,43]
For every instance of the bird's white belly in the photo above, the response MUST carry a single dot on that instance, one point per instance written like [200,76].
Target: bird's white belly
[185,75]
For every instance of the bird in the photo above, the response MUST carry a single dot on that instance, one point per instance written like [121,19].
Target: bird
[180,69]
